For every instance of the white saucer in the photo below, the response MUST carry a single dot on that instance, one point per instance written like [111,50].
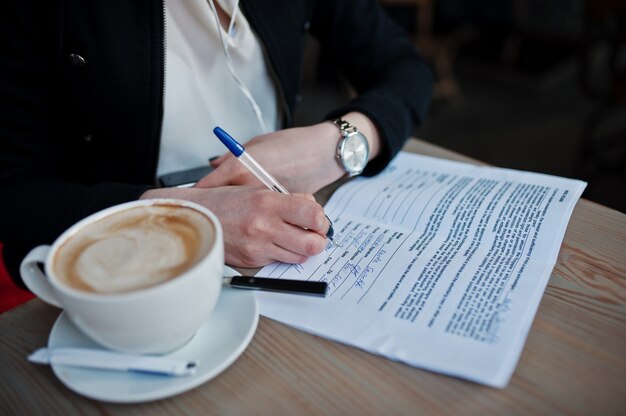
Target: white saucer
[234,319]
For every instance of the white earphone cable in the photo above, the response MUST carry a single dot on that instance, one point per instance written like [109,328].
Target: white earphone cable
[242,86]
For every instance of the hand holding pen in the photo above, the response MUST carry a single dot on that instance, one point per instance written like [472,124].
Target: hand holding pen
[255,168]
[260,227]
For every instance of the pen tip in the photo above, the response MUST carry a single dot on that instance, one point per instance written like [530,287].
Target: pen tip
[331,232]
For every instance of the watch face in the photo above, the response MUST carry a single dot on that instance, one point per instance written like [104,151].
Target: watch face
[355,152]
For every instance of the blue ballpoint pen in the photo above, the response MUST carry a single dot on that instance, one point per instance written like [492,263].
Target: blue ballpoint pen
[252,165]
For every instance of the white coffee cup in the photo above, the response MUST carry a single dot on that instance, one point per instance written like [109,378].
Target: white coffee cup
[150,320]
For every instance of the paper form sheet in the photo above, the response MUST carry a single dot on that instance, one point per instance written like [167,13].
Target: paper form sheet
[437,264]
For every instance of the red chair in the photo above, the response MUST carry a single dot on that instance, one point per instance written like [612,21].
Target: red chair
[10,294]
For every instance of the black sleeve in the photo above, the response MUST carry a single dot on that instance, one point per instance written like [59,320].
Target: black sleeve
[36,202]
[392,81]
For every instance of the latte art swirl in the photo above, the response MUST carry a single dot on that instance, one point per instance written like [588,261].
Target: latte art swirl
[131,259]
[134,249]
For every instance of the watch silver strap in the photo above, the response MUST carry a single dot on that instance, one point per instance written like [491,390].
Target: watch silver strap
[345,127]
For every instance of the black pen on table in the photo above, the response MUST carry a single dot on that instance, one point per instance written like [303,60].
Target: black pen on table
[253,166]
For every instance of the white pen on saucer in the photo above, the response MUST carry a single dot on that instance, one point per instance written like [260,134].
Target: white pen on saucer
[111,360]
[253,166]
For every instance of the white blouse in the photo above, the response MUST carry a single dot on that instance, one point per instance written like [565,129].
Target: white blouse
[200,92]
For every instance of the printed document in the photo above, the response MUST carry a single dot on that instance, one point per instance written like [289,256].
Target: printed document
[437,264]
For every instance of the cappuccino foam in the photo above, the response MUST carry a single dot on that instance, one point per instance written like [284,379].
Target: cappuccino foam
[134,249]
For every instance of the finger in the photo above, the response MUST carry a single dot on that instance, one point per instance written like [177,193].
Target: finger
[212,180]
[300,242]
[310,197]
[304,213]
[288,256]
[228,174]
[260,252]
[329,233]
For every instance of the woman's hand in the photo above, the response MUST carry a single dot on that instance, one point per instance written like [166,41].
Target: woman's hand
[295,157]
[260,226]
[302,159]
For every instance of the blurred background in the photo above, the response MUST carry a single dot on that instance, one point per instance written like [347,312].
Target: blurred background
[526,84]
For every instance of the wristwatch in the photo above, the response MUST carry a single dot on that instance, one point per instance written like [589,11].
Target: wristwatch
[352,150]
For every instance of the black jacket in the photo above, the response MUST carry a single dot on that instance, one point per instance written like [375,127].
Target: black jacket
[81,96]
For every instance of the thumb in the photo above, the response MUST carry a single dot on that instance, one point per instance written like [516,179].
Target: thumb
[213,180]
[310,197]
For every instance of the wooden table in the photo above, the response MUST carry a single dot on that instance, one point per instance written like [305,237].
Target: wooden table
[574,361]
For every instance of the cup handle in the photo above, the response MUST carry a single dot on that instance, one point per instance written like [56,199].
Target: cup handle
[35,279]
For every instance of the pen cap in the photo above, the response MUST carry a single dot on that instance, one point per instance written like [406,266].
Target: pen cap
[232,144]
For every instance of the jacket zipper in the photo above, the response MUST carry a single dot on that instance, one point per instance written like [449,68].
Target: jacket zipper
[159,120]
[164,55]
